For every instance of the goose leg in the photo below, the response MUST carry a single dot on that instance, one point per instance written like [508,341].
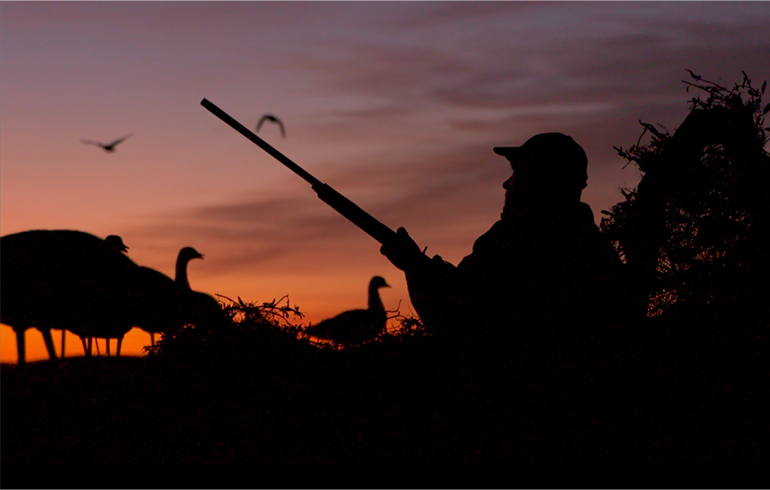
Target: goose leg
[49,344]
[86,347]
[96,341]
[20,347]
[63,336]
[152,338]
[120,341]
[107,341]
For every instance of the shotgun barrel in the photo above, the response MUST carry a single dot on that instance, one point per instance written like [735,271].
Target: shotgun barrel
[327,194]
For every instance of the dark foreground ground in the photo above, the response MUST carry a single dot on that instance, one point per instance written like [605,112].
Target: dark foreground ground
[401,403]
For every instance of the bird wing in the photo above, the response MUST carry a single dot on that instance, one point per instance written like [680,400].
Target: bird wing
[272,118]
[262,119]
[283,131]
[119,140]
[89,142]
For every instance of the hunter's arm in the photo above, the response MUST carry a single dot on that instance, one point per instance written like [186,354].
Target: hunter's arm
[432,282]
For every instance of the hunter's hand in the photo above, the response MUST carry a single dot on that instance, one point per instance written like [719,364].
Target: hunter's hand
[403,252]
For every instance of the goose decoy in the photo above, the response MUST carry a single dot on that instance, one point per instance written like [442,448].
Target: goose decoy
[77,281]
[185,255]
[59,279]
[271,118]
[155,303]
[108,147]
[355,326]
[115,244]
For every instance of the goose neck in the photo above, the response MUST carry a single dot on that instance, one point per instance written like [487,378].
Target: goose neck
[181,272]
[375,303]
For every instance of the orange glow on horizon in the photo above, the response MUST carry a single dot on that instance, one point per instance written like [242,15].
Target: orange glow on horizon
[331,295]
[133,344]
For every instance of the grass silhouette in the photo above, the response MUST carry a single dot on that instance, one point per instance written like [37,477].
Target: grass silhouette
[252,389]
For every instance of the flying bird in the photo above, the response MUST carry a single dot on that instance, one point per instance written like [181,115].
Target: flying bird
[108,147]
[271,118]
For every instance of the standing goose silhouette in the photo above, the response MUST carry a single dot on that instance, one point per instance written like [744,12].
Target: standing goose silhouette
[355,326]
[115,245]
[108,147]
[60,279]
[185,255]
[155,303]
[202,308]
[273,119]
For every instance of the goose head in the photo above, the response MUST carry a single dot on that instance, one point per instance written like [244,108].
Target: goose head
[185,255]
[116,243]
[189,253]
[378,282]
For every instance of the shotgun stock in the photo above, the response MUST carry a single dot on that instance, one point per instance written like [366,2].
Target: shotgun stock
[337,201]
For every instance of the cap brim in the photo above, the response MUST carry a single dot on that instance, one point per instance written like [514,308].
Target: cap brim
[507,151]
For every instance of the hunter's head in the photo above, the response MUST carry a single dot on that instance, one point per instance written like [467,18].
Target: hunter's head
[549,167]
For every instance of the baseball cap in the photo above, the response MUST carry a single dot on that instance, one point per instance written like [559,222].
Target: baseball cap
[557,156]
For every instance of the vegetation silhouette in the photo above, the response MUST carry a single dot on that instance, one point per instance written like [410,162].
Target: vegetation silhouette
[693,236]
[694,231]
[671,368]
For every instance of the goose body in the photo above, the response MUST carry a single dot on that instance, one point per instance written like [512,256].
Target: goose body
[182,304]
[76,281]
[62,279]
[355,326]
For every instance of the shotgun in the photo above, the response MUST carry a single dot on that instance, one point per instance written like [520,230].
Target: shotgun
[337,201]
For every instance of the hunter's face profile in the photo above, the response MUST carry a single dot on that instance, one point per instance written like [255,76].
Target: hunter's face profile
[547,167]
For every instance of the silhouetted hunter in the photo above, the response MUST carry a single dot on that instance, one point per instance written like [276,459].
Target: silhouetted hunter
[108,147]
[544,260]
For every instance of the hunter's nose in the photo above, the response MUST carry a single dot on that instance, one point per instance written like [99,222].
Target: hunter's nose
[508,183]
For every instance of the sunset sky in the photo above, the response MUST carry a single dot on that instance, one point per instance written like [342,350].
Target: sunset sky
[396,105]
